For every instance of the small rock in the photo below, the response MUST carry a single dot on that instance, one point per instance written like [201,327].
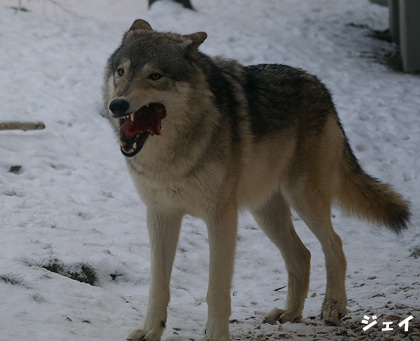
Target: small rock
[15,169]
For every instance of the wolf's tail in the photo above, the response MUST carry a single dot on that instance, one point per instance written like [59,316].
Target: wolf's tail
[367,198]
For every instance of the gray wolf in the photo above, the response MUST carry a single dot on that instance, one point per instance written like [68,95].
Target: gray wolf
[207,136]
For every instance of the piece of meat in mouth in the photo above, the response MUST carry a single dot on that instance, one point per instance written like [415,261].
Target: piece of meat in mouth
[137,126]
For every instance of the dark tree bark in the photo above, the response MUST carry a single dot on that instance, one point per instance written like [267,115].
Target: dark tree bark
[185,3]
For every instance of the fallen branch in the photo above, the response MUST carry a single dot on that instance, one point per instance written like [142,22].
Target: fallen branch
[22,125]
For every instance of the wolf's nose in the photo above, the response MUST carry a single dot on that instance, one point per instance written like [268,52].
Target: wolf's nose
[119,107]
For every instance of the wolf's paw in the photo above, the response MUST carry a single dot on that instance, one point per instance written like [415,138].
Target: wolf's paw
[145,335]
[332,312]
[282,316]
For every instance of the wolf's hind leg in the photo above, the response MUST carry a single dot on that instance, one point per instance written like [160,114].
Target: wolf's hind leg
[316,213]
[274,218]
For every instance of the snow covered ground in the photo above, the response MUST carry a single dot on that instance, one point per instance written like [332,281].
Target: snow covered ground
[73,203]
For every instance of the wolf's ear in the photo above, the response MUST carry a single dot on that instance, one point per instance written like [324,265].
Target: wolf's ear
[192,42]
[140,24]
[195,39]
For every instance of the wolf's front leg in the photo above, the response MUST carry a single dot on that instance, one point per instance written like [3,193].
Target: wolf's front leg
[163,226]
[222,226]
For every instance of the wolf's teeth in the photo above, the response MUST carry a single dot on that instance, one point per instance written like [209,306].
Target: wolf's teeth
[132,117]
[134,146]
[122,144]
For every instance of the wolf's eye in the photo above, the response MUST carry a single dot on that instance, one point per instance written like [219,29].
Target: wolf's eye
[120,72]
[155,76]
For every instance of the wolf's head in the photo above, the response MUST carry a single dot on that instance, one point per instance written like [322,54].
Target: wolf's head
[146,79]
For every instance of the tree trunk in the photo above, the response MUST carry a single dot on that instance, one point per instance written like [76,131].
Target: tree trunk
[185,3]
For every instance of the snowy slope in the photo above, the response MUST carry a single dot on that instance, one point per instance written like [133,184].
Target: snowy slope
[73,201]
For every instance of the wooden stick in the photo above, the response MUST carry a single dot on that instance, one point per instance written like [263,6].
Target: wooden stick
[22,125]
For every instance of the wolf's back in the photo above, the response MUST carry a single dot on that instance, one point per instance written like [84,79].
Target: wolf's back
[282,97]
[366,197]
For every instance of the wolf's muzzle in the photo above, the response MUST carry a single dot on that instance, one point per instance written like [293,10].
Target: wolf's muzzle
[119,107]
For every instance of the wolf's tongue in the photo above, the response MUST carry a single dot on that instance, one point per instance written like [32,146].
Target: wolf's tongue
[145,119]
